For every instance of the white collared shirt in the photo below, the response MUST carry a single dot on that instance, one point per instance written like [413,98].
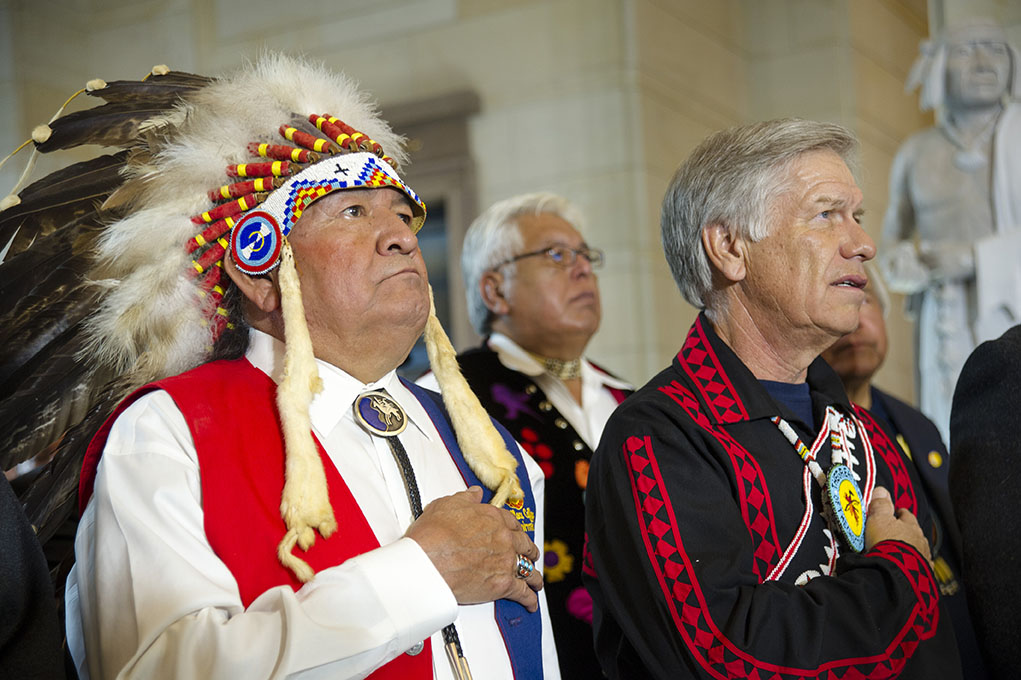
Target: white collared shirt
[597,402]
[149,598]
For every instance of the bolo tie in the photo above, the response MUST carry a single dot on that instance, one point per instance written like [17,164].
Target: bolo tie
[381,416]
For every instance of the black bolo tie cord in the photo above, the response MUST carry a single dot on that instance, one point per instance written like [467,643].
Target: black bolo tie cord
[415,499]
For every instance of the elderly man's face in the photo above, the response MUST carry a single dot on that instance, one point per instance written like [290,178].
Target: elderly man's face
[977,73]
[858,355]
[805,280]
[363,280]
[549,300]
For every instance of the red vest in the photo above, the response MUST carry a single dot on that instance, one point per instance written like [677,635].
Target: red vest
[230,408]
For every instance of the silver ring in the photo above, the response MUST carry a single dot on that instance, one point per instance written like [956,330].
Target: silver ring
[525,567]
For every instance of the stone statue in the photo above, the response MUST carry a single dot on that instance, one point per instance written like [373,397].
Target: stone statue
[952,231]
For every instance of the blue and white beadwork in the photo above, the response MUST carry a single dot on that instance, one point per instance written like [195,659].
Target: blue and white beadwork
[256,240]
[255,243]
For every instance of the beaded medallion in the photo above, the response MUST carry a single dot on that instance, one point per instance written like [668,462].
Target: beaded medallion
[255,243]
[842,502]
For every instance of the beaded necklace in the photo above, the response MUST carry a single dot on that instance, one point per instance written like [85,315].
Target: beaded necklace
[842,498]
[565,369]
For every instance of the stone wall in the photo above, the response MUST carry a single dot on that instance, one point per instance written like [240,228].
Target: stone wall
[597,99]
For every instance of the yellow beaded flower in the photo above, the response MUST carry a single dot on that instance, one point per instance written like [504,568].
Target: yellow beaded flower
[558,561]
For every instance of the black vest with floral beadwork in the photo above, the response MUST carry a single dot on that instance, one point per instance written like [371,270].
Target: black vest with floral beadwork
[520,405]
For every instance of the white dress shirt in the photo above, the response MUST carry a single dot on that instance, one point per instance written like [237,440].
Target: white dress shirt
[148,597]
[597,402]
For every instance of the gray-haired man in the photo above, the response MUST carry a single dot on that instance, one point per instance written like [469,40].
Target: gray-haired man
[532,291]
[744,519]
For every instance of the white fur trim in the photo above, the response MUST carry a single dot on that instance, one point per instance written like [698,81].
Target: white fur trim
[482,446]
[305,502]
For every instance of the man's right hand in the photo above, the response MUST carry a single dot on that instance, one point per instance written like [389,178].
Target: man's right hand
[885,523]
[475,547]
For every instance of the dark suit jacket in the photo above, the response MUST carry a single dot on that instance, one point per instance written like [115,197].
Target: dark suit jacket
[985,487]
[929,455]
[30,636]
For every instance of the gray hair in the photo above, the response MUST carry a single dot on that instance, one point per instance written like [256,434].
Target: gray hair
[734,178]
[494,237]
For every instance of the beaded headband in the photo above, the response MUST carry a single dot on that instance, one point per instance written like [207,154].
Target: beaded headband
[255,241]
[259,211]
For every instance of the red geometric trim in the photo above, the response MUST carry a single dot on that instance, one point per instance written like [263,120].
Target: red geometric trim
[756,504]
[703,367]
[587,566]
[924,618]
[916,569]
[687,606]
[903,492]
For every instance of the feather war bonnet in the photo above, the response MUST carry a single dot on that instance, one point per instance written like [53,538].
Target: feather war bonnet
[113,270]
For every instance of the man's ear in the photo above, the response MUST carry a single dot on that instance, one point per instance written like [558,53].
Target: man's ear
[261,291]
[727,253]
[491,286]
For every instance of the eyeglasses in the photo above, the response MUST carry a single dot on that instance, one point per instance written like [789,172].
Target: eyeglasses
[562,256]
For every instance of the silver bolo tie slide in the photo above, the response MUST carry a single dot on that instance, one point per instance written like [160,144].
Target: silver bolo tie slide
[381,416]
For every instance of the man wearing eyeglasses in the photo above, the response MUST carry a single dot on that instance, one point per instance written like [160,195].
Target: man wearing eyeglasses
[533,293]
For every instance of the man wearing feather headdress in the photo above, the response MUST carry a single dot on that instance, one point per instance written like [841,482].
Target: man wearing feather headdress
[271,500]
